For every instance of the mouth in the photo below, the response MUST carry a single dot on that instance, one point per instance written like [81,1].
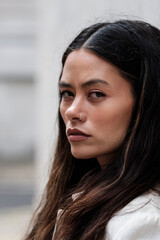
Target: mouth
[75,135]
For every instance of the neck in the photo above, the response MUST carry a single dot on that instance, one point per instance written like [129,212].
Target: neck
[104,160]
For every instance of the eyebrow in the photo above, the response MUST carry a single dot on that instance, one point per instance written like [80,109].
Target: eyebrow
[86,84]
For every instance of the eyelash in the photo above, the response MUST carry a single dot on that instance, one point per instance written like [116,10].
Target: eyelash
[70,94]
[98,93]
[63,93]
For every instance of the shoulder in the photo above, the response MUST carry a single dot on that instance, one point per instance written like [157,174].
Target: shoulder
[138,220]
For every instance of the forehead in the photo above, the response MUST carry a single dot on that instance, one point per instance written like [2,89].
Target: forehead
[86,64]
[83,56]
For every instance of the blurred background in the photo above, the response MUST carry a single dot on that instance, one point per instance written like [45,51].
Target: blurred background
[33,36]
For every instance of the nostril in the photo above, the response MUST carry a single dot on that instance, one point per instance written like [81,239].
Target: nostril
[76,118]
[74,113]
[72,116]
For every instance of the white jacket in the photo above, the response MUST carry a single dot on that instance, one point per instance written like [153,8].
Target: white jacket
[138,220]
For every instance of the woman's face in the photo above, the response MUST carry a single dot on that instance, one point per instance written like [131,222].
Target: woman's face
[96,106]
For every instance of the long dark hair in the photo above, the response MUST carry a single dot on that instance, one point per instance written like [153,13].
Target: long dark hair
[134,47]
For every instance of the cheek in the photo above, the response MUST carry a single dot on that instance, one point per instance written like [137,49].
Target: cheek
[114,119]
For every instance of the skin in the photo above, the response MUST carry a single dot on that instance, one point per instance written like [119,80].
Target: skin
[93,88]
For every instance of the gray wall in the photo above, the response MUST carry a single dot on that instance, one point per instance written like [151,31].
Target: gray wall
[17,70]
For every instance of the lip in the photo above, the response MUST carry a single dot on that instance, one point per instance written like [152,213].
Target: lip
[76,135]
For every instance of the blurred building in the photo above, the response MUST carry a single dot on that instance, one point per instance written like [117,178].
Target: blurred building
[17,84]
[18,36]
[17,72]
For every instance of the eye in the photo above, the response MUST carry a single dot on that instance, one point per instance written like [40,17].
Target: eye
[66,95]
[96,95]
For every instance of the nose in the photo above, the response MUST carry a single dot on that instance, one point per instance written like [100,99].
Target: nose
[75,112]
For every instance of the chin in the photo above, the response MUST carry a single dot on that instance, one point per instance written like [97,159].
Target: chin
[82,155]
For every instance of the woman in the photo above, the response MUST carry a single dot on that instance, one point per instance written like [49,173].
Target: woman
[104,182]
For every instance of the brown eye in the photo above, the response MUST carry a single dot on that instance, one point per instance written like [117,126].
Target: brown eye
[96,94]
[66,95]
